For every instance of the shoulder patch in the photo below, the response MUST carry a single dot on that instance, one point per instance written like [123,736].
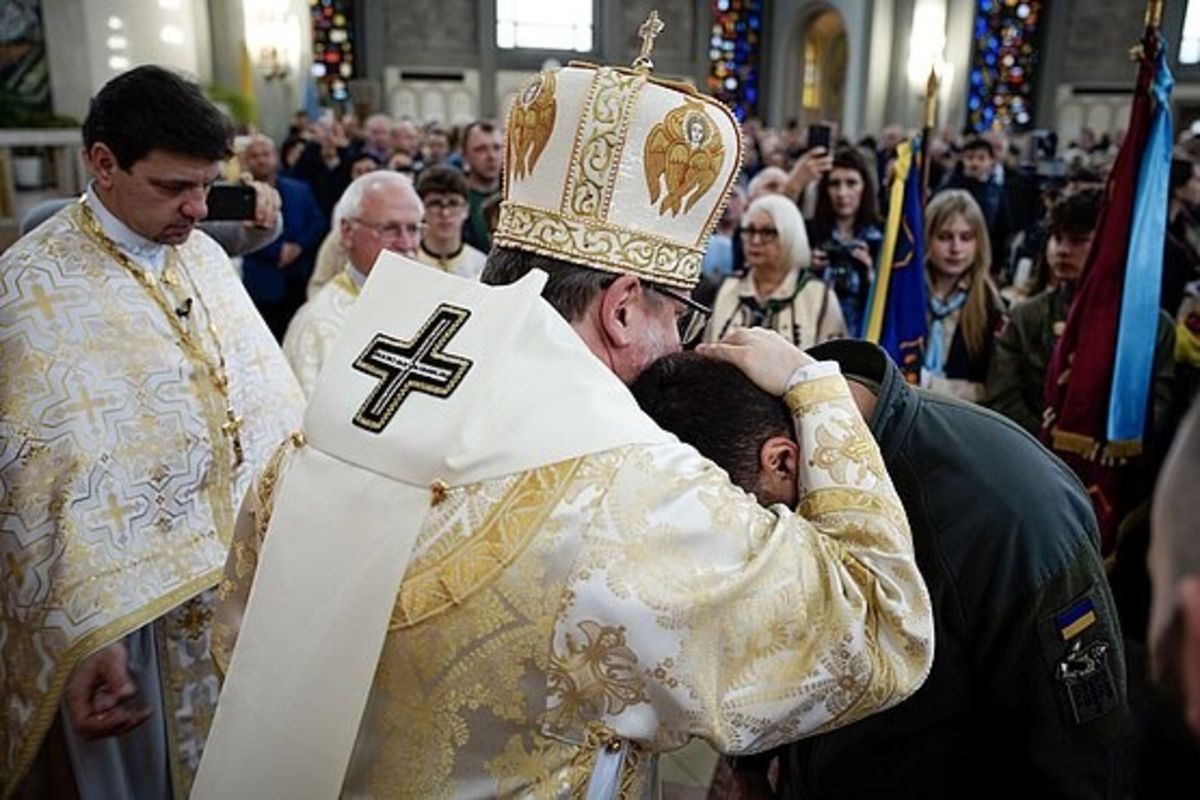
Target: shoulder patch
[1079,645]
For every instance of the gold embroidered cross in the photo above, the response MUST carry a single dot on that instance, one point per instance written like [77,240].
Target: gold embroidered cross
[86,404]
[648,32]
[42,301]
[117,513]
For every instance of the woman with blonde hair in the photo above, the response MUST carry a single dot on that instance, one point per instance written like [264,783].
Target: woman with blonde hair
[778,290]
[964,308]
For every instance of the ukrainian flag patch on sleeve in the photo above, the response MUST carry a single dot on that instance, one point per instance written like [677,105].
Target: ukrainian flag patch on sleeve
[1076,619]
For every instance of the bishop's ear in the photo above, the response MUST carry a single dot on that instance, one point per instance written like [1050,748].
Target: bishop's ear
[618,306]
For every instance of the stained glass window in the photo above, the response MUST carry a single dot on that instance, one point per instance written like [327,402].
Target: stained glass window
[733,54]
[333,46]
[1001,90]
[811,97]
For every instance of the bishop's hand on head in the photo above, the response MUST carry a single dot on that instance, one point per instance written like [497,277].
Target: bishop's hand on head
[763,355]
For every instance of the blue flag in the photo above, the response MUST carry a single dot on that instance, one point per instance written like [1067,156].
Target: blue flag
[1133,366]
[896,308]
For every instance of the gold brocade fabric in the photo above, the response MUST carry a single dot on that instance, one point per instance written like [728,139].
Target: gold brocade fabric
[625,603]
[315,328]
[115,505]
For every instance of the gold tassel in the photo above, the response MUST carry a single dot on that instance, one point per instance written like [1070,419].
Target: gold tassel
[1077,443]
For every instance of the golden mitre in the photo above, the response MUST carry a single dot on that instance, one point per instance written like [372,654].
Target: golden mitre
[612,168]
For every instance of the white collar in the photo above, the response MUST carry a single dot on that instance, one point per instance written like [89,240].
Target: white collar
[356,276]
[145,251]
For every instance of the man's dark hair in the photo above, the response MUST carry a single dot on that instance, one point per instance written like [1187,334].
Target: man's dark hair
[444,180]
[484,125]
[1077,214]
[978,143]
[150,108]
[1181,172]
[570,288]
[714,407]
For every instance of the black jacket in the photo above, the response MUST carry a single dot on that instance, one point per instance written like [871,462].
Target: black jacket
[1007,543]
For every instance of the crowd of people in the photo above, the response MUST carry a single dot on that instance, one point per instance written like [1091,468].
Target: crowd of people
[775,544]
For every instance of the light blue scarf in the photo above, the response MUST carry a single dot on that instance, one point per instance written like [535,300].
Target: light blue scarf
[939,349]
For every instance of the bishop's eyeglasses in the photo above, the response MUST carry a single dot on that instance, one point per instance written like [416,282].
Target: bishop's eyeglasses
[692,318]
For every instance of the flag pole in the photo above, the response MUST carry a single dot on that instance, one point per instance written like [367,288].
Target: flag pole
[931,91]
[1154,11]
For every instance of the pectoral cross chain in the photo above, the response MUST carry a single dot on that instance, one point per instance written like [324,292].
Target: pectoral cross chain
[233,429]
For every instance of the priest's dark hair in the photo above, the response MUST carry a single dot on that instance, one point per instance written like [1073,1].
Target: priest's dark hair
[570,288]
[151,108]
[715,408]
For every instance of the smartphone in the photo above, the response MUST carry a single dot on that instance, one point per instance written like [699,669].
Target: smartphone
[231,201]
[819,136]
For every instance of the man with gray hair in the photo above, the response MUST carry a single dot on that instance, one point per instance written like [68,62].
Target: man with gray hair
[379,211]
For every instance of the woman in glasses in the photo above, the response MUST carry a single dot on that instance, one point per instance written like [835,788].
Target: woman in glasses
[778,290]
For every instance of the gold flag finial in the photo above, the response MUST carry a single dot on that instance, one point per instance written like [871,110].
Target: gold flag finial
[649,31]
[931,92]
[1154,10]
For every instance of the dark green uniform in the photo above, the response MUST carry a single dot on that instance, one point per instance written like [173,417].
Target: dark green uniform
[1016,378]
[1027,695]
[1017,373]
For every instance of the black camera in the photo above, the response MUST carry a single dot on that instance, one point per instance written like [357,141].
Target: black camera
[840,252]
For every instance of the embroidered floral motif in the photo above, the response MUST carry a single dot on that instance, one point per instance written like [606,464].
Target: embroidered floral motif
[594,676]
[844,447]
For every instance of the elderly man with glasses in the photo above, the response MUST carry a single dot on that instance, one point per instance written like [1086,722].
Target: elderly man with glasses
[379,211]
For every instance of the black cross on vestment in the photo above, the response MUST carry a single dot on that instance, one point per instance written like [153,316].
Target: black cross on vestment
[421,365]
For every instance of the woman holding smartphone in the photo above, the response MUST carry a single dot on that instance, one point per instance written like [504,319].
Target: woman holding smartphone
[846,230]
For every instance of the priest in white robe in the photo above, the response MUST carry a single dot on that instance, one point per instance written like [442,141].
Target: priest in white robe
[379,211]
[482,571]
[140,393]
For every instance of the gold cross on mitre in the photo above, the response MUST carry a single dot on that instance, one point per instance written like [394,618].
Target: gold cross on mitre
[648,32]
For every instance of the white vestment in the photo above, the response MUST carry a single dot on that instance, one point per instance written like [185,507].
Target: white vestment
[315,328]
[118,486]
[510,582]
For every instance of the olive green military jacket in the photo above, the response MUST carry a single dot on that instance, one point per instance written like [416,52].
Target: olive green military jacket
[1027,695]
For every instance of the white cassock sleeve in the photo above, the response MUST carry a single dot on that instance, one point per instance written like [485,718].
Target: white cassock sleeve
[692,611]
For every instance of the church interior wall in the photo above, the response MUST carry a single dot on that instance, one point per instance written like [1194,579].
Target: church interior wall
[1086,76]
[437,59]
[89,42]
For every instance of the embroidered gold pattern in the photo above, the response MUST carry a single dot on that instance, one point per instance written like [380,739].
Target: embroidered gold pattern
[429,589]
[530,123]
[124,513]
[821,502]
[541,769]
[684,152]
[601,245]
[599,141]
[845,446]
[594,676]
[183,642]
[810,396]
[486,660]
